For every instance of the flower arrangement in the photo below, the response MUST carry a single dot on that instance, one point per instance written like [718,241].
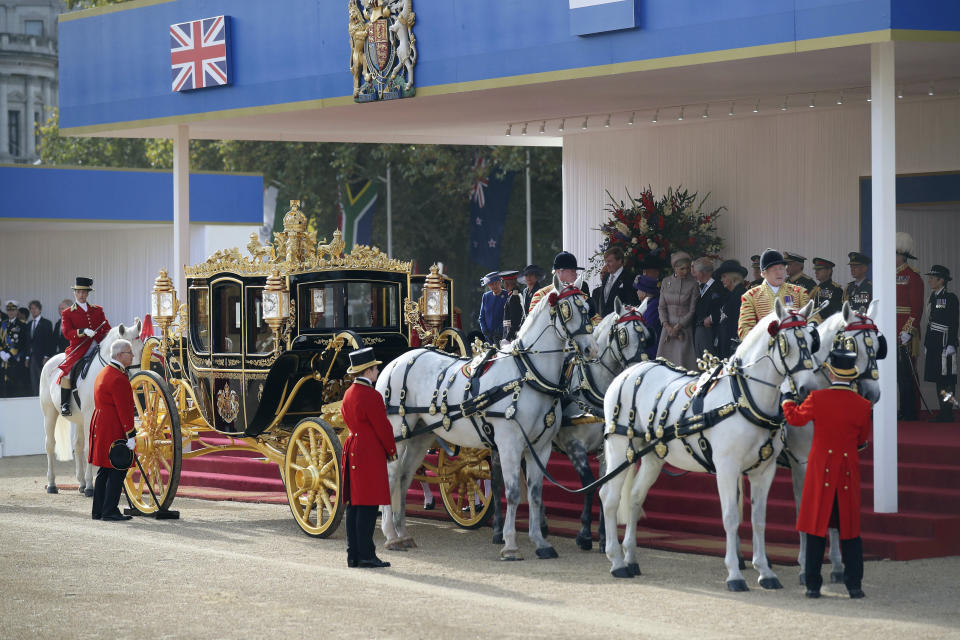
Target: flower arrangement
[648,226]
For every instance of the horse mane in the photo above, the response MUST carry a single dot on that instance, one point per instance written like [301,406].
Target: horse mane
[835,324]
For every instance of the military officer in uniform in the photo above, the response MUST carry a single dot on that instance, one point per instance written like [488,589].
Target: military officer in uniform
[112,420]
[491,308]
[858,293]
[84,325]
[565,266]
[532,275]
[513,308]
[831,487]
[909,316]
[795,274]
[366,452]
[940,343]
[758,301]
[13,343]
[755,265]
[826,291]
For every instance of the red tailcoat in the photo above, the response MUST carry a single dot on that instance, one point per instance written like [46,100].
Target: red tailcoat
[367,448]
[841,422]
[112,414]
[909,297]
[72,323]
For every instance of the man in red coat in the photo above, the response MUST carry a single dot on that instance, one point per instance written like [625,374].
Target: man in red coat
[85,326]
[112,420]
[365,454]
[831,487]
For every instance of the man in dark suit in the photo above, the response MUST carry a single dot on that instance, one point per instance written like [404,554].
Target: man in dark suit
[615,283]
[532,275]
[60,342]
[707,312]
[39,344]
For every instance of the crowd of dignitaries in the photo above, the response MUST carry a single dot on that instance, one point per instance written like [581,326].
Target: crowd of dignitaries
[27,341]
[701,307]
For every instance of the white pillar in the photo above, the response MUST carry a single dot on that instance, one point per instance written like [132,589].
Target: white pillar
[181,208]
[884,225]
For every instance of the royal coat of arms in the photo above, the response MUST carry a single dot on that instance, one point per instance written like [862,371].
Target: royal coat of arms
[228,404]
[383,49]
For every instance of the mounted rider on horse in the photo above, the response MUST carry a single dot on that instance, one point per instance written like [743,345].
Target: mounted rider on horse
[85,326]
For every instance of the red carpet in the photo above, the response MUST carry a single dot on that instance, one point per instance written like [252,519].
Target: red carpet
[683,513]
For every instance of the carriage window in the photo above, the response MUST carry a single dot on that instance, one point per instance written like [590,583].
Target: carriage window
[199,319]
[259,333]
[350,305]
[227,318]
[324,305]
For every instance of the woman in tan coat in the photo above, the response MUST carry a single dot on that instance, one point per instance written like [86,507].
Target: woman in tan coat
[678,299]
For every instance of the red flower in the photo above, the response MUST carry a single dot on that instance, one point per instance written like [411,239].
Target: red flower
[552,299]
[660,222]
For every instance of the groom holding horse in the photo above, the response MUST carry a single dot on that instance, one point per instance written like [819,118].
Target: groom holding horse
[84,325]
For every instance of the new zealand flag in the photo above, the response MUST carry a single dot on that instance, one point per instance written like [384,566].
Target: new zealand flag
[488,214]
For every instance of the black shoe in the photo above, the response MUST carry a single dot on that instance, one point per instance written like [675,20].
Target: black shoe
[376,563]
[856,594]
[65,402]
[95,517]
[813,593]
[352,564]
[117,517]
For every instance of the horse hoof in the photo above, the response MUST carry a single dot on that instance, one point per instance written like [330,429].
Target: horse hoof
[803,579]
[770,583]
[88,493]
[410,543]
[836,577]
[546,553]
[395,545]
[498,538]
[511,555]
[52,488]
[82,490]
[634,568]
[584,542]
[737,585]
[622,572]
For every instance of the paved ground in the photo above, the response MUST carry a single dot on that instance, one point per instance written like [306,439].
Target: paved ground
[234,570]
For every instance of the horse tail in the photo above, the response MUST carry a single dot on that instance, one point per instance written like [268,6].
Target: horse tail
[63,448]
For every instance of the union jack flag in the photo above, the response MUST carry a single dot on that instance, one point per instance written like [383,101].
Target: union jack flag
[198,53]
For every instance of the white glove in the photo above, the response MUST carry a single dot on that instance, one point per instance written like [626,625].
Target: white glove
[131,443]
[4,355]
[904,337]
[950,350]
[89,333]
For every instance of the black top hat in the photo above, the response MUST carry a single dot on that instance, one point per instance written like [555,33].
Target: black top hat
[121,456]
[857,258]
[83,284]
[730,266]
[843,364]
[939,271]
[770,258]
[361,360]
[755,260]
[566,260]
[532,269]
[822,263]
[509,275]
[493,276]
[793,257]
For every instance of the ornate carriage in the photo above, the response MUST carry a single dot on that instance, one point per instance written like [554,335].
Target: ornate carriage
[255,358]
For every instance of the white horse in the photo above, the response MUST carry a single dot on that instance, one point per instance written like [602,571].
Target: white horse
[511,408]
[56,430]
[731,417]
[800,439]
[622,339]
[402,28]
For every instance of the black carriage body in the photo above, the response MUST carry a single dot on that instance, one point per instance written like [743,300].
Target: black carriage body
[241,382]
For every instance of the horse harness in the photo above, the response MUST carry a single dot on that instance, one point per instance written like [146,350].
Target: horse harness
[864,325]
[475,403]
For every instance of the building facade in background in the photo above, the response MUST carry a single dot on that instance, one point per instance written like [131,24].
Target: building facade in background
[28,74]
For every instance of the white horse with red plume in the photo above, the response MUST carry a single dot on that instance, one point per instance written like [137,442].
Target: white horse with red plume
[57,427]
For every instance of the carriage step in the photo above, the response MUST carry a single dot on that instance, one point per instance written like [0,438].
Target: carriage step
[230,481]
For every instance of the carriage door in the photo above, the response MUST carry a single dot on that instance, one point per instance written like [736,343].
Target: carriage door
[226,299]
[259,354]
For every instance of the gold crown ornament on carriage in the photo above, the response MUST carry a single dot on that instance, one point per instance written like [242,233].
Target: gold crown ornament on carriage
[383,49]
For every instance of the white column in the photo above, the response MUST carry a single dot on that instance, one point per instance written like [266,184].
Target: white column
[28,124]
[4,143]
[181,208]
[884,225]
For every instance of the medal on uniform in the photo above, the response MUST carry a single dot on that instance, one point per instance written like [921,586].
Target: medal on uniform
[788,300]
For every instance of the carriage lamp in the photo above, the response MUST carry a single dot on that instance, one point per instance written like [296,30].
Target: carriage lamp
[163,301]
[435,303]
[276,304]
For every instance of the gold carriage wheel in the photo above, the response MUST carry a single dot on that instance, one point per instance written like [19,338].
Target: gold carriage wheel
[461,486]
[311,473]
[159,445]
[453,341]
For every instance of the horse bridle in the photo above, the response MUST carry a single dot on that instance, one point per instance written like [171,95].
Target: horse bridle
[864,325]
[805,360]
[618,336]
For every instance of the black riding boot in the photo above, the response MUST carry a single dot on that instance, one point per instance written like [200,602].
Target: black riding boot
[65,401]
